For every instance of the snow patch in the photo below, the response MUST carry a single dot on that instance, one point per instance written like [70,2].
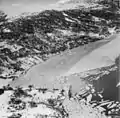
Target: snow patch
[7,30]
[67,19]
[64,14]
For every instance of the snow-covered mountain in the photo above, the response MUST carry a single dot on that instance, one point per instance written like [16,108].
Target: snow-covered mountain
[71,4]
[72,62]
[101,57]
[63,50]
[38,36]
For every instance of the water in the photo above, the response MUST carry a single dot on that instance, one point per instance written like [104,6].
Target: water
[108,84]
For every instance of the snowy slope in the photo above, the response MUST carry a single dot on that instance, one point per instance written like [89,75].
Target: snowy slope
[30,39]
[101,57]
[44,74]
[70,4]
[77,37]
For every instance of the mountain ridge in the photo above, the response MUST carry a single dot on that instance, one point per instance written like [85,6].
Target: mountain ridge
[38,38]
[39,54]
[66,65]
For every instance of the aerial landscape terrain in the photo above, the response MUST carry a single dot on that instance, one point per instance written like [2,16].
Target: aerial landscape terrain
[61,62]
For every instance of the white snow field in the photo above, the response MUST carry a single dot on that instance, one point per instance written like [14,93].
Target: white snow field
[91,56]
[100,57]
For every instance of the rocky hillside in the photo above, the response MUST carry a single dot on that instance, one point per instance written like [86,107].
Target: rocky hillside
[28,40]
[50,38]
[65,72]
[32,102]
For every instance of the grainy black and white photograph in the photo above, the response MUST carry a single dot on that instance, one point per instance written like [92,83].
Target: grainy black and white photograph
[59,58]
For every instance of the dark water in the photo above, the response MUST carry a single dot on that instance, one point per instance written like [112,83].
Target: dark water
[108,84]
[111,92]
